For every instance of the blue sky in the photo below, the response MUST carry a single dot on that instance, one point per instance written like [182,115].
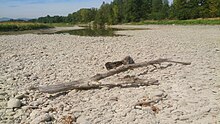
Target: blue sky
[37,8]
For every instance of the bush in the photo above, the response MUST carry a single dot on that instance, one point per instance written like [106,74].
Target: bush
[20,26]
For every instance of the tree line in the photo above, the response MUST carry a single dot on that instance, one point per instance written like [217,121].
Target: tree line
[124,11]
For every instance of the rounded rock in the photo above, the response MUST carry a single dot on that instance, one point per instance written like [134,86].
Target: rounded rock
[82,120]
[157,93]
[2,97]
[3,93]
[14,103]
[42,118]
[19,96]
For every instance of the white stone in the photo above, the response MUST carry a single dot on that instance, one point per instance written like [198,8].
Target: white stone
[42,118]
[14,103]
[130,117]
[35,113]
[82,120]
[2,97]
[2,93]
[20,96]
[157,93]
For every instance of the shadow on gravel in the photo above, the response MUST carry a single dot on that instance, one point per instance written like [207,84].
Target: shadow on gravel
[112,32]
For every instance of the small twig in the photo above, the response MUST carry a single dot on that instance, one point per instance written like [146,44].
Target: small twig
[150,102]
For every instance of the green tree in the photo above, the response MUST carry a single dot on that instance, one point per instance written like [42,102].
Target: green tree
[133,10]
[104,15]
[165,9]
[118,11]
[181,10]
[157,5]
[203,8]
[213,8]
[157,10]
[122,11]
[146,9]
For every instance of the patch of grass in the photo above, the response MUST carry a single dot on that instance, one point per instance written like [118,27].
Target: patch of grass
[21,26]
[181,22]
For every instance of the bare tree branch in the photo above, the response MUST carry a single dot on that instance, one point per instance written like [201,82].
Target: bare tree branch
[88,82]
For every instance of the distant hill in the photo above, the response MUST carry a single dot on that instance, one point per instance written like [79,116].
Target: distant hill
[25,19]
[7,19]
[4,19]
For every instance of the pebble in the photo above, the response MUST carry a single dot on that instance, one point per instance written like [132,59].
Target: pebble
[13,93]
[25,108]
[11,113]
[158,93]
[47,109]
[72,92]
[182,103]
[138,107]
[20,96]
[97,121]
[82,120]
[130,117]
[19,113]
[2,93]
[42,118]
[35,113]
[1,81]
[67,108]
[10,81]
[113,98]
[9,110]
[9,118]
[184,117]
[14,103]
[38,102]
[2,97]
[106,121]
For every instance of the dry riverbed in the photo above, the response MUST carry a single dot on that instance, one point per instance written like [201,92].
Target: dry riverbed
[191,94]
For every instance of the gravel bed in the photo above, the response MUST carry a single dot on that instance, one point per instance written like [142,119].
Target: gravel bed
[192,92]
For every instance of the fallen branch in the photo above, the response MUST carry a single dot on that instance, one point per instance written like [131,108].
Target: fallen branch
[84,86]
[88,82]
[132,66]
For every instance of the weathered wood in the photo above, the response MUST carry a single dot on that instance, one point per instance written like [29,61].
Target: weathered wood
[88,83]
[124,68]
[85,86]
[112,65]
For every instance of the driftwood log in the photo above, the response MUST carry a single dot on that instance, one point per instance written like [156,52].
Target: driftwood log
[92,82]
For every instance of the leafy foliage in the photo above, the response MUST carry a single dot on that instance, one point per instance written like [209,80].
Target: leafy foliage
[20,26]
[123,11]
[207,21]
